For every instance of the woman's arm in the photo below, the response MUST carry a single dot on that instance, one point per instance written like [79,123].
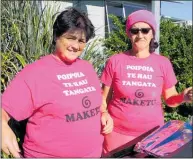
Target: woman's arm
[9,141]
[107,95]
[174,99]
[106,120]
[5,116]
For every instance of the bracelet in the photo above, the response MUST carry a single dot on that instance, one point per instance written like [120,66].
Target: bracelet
[180,98]
[177,99]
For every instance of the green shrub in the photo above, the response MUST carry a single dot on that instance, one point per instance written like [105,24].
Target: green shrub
[26,35]
[117,41]
[94,54]
[176,44]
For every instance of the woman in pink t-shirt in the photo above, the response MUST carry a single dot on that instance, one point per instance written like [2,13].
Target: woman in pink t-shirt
[134,82]
[60,95]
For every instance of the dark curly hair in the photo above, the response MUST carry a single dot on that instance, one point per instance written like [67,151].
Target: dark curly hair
[72,18]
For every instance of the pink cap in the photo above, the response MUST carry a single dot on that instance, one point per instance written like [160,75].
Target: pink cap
[141,16]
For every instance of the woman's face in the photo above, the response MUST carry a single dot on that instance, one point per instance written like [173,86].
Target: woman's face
[140,39]
[70,45]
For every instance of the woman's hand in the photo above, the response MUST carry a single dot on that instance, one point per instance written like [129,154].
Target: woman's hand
[107,123]
[173,99]
[188,95]
[9,141]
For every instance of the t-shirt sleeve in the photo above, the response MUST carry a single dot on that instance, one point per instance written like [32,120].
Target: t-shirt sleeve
[17,98]
[107,74]
[169,75]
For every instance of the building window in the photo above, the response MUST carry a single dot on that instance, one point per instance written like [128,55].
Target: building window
[120,9]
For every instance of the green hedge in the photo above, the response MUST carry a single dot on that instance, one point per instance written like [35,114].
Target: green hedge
[26,35]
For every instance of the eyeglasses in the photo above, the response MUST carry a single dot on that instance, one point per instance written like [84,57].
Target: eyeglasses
[135,31]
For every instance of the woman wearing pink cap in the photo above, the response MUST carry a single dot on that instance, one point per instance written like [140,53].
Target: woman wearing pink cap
[134,82]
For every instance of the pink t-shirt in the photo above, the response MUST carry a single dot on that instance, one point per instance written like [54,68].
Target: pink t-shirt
[62,103]
[137,88]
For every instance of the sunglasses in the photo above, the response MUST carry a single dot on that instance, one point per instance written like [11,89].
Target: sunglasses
[135,31]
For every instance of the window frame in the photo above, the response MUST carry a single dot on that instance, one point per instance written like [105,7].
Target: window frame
[123,4]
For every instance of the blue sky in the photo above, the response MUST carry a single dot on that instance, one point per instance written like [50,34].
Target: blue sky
[177,10]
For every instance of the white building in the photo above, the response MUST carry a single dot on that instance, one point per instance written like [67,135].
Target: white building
[98,10]
[178,21]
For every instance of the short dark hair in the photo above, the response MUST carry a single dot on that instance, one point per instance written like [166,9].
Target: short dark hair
[72,18]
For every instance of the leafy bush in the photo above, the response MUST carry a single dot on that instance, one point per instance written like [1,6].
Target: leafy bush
[26,35]
[117,41]
[94,54]
[175,43]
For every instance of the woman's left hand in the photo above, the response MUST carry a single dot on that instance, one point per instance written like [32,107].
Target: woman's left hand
[107,123]
[188,95]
